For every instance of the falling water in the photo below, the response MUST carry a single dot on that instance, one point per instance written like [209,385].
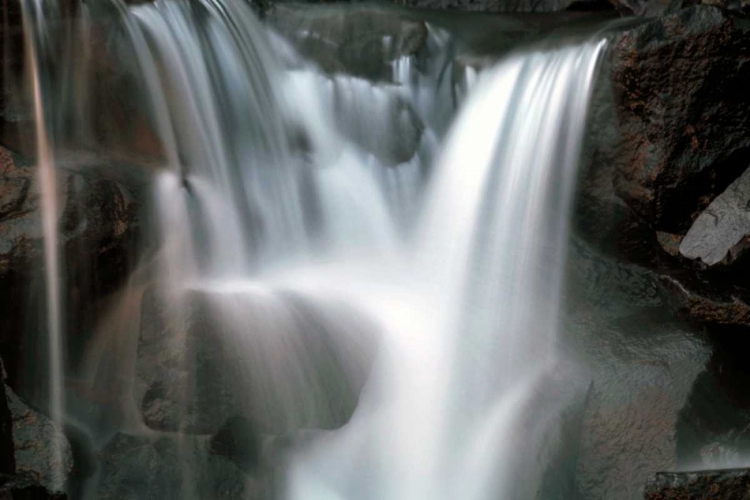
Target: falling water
[38,49]
[303,212]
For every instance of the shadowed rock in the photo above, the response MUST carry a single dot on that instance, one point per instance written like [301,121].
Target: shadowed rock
[24,488]
[704,485]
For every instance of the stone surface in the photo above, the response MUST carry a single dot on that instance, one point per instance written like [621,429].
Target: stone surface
[239,441]
[708,299]
[703,485]
[41,450]
[350,41]
[98,230]
[169,468]
[281,361]
[680,85]
[15,487]
[7,458]
[721,233]
[507,5]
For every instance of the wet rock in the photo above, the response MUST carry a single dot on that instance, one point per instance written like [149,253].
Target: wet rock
[7,459]
[393,130]
[680,85]
[41,451]
[239,441]
[15,487]
[508,5]
[708,299]
[704,485]
[169,468]
[280,361]
[361,42]
[98,228]
[721,234]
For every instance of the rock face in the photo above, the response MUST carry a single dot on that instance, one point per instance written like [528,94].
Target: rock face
[507,5]
[23,488]
[98,229]
[27,464]
[705,485]
[720,234]
[680,84]
[350,41]
[272,358]
[41,451]
[168,468]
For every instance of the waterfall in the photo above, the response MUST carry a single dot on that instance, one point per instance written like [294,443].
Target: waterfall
[351,283]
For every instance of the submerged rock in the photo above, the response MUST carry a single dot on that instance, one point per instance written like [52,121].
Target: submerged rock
[733,484]
[721,234]
[680,85]
[278,360]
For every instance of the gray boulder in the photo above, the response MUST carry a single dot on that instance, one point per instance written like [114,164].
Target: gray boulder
[280,361]
[720,234]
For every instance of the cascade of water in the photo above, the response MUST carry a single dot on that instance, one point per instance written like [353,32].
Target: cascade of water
[273,202]
[472,333]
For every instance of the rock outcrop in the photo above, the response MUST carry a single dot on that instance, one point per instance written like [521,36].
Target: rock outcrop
[680,86]
[169,468]
[270,357]
[721,233]
[704,485]
[98,231]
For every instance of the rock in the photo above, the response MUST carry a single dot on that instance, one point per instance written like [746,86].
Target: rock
[361,42]
[239,441]
[7,459]
[732,484]
[41,451]
[680,85]
[721,234]
[168,468]
[278,360]
[98,230]
[707,299]
[393,130]
[508,5]
[13,487]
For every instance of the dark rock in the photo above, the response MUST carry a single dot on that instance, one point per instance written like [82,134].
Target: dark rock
[168,468]
[7,459]
[239,441]
[721,234]
[681,96]
[14,487]
[706,298]
[350,41]
[275,359]
[733,484]
[508,5]
[98,230]
[41,450]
